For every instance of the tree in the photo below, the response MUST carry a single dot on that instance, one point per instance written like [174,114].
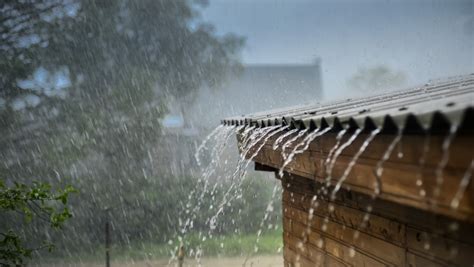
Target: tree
[30,201]
[376,78]
[119,59]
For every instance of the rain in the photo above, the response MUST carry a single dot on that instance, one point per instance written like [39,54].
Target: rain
[236,133]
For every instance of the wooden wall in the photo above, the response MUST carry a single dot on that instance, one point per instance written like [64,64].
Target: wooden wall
[400,174]
[393,235]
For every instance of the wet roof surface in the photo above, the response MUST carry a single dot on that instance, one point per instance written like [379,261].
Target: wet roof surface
[435,106]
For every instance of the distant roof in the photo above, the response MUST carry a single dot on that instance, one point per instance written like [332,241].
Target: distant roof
[431,107]
[255,88]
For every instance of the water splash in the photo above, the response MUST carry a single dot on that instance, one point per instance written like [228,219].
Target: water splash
[462,186]
[351,164]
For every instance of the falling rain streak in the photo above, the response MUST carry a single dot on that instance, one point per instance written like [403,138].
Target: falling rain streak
[462,186]
[252,140]
[353,161]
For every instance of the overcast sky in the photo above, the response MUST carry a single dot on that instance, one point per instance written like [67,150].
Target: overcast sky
[424,39]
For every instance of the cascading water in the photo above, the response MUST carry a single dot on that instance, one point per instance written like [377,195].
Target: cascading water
[305,143]
[378,184]
[444,160]
[220,135]
[314,201]
[351,164]
[283,136]
[336,155]
[462,186]
[385,157]
[253,139]
[239,173]
[291,141]
[268,210]
[421,163]
[204,143]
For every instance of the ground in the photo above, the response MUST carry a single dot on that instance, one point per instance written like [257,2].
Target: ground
[260,261]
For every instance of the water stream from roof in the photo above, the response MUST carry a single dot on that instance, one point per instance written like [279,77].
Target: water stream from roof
[338,152]
[377,184]
[353,161]
[422,165]
[238,176]
[218,137]
[249,137]
[305,144]
[202,146]
[269,209]
[462,186]
[290,142]
[253,139]
[323,190]
[444,161]
[386,155]
[282,137]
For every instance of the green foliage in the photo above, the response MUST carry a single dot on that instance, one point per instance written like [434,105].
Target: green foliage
[35,201]
[229,245]
[125,59]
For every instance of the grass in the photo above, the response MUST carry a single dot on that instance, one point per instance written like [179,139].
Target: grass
[270,242]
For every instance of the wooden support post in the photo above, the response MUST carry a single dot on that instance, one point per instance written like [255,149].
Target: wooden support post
[107,240]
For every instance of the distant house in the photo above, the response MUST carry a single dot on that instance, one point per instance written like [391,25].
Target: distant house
[258,87]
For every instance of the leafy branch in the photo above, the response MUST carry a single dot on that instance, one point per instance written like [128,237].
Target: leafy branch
[35,201]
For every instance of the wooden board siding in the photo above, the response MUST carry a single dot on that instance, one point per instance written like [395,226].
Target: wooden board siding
[400,174]
[395,235]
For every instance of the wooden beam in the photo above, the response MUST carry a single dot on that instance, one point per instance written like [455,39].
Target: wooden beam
[404,179]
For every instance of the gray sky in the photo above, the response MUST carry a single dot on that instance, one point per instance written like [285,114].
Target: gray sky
[424,39]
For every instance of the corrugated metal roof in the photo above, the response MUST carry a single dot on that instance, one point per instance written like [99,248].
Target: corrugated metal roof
[431,107]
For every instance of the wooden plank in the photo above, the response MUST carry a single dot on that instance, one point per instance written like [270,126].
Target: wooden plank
[305,250]
[419,261]
[376,248]
[318,241]
[397,215]
[439,248]
[383,228]
[295,260]
[343,252]
[398,182]
[411,146]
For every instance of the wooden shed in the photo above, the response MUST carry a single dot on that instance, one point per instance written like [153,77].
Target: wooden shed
[376,181]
